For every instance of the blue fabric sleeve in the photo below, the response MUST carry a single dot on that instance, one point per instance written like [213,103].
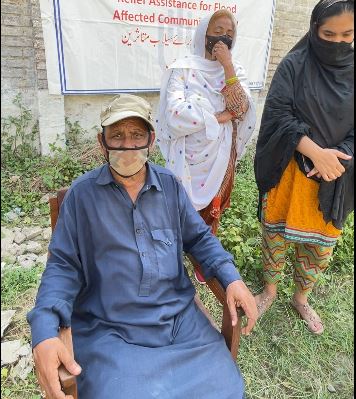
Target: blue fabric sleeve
[205,248]
[61,280]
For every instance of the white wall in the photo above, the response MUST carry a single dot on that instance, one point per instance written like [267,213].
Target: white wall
[86,109]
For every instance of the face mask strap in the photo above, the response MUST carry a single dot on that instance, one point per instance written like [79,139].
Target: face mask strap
[108,148]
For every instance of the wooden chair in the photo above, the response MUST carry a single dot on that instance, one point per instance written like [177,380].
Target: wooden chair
[231,334]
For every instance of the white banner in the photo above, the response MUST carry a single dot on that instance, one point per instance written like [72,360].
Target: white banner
[109,46]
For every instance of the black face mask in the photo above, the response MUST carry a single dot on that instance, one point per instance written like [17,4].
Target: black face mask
[331,53]
[213,40]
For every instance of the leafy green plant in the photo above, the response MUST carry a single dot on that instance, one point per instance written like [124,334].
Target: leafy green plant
[61,169]
[18,138]
[26,176]
[75,134]
[240,231]
[343,259]
[156,157]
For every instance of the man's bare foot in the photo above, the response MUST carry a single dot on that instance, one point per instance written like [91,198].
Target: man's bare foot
[264,302]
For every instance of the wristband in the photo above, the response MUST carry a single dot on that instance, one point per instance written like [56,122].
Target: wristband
[232,81]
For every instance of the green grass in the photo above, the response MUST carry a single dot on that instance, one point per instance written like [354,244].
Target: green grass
[19,389]
[15,282]
[18,291]
[281,359]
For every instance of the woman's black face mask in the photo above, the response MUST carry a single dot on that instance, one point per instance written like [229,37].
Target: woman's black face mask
[331,53]
[213,40]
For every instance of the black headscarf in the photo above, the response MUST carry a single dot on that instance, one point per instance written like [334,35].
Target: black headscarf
[312,93]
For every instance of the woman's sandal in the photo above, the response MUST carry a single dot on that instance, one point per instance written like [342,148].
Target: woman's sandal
[265,303]
[308,314]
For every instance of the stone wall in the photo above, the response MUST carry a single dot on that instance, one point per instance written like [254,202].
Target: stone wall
[18,55]
[291,23]
[23,66]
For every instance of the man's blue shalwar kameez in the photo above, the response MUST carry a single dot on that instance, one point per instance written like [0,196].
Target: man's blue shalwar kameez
[116,275]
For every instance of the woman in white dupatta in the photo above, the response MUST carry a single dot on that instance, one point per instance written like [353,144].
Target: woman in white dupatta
[206,117]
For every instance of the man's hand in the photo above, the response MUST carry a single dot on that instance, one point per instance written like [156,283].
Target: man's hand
[238,295]
[48,356]
[224,117]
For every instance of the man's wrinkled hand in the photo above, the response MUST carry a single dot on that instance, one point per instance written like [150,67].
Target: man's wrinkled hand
[239,296]
[48,356]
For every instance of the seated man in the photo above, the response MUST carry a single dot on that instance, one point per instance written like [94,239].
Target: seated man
[116,275]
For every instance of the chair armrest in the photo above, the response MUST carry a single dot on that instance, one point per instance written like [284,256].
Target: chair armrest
[213,283]
[67,380]
[230,333]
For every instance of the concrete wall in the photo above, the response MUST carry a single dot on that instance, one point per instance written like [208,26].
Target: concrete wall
[23,70]
[23,67]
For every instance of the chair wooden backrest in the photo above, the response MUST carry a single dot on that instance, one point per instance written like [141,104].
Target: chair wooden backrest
[230,333]
[67,380]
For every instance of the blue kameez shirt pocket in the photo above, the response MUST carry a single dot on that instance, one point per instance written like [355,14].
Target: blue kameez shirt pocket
[165,245]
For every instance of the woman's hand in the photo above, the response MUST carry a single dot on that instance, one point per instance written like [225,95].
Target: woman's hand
[224,117]
[327,164]
[326,160]
[222,54]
